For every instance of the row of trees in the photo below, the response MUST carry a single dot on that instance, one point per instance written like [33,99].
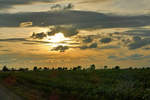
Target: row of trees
[91,68]
[35,68]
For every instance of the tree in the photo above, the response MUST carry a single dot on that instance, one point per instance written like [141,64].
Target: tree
[5,68]
[105,67]
[79,67]
[35,68]
[92,67]
[117,67]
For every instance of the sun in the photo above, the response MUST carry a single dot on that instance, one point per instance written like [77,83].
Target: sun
[57,38]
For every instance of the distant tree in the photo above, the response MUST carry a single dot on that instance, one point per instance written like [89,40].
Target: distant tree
[35,68]
[105,67]
[147,67]
[45,68]
[65,68]
[130,68]
[117,67]
[53,68]
[21,69]
[79,67]
[74,68]
[40,69]
[60,68]
[13,69]
[92,67]
[5,68]
[26,69]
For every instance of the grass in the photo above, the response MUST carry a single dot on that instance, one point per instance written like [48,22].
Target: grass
[104,84]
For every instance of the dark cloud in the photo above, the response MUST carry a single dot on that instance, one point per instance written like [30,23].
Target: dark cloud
[30,43]
[66,30]
[88,39]
[5,50]
[131,57]
[112,57]
[137,38]
[135,57]
[60,48]
[80,19]
[84,47]
[138,32]
[62,7]
[126,41]
[9,3]
[139,44]
[147,48]
[105,40]
[110,47]
[38,35]
[13,40]
[93,45]
[26,41]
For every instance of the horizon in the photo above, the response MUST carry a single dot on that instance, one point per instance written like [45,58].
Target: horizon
[56,33]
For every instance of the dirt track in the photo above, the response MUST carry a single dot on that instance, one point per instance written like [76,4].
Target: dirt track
[5,94]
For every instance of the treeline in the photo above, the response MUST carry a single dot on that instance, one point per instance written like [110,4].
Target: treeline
[91,68]
[35,68]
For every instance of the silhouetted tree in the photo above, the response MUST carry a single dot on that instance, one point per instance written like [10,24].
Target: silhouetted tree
[45,68]
[53,68]
[130,68]
[5,68]
[79,68]
[13,69]
[117,67]
[60,68]
[105,67]
[92,67]
[40,69]
[35,68]
[74,68]
[65,68]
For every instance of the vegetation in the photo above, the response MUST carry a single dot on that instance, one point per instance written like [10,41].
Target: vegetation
[78,83]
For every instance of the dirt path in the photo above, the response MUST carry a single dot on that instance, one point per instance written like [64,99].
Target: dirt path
[5,94]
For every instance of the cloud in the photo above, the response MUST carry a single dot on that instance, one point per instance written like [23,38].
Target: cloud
[110,47]
[4,4]
[131,57]
[39,35]
[60,48]
[138,32]
[137,38]
[112,57]
[80,19]
[93,45]
[62,6]
[139,44]
[87,39]
[105,40]
[66,30]
[25,40]
[5,50]
[13,40]
[147,48]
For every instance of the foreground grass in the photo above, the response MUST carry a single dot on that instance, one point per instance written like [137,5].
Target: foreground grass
[124,84]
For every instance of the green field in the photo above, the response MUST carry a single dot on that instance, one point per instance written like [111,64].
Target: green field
[103,84]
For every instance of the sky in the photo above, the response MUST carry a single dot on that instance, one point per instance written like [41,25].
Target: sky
[68,33]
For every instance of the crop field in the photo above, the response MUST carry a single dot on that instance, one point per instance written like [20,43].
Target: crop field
[103,84]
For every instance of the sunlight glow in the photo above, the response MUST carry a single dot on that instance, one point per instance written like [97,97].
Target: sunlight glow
[57,38]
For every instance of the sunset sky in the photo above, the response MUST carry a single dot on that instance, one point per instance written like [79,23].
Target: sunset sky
[53,33]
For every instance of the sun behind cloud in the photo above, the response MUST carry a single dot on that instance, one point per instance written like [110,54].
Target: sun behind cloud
[57,38]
